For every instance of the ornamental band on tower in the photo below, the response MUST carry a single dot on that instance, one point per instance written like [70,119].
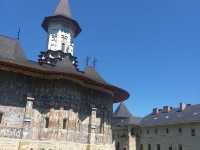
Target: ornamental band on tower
[51,104]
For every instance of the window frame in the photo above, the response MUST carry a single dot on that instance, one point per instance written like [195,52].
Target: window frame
[180,130]
[193,132]
[180,147]
[64,123]
[167,130]
[149,146]
[158,147]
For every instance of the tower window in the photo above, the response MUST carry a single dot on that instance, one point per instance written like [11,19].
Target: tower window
[46,122]
[158,146]
[193,132]
[180,147]
[1,117]
[63,46]
[64,123]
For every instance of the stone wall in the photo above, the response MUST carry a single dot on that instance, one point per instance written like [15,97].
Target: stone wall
[57,100]
[126,137]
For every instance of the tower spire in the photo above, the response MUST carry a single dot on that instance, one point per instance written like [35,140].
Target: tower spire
[62,30]
[63,9]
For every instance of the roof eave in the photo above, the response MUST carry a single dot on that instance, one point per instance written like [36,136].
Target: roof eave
[119,94]
[71,23]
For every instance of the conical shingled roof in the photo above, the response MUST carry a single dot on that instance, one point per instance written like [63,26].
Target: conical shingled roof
[122,111]
[63,9]
[62,15]
[10,48]
[93,74]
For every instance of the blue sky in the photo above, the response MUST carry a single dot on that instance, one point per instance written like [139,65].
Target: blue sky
[149,47]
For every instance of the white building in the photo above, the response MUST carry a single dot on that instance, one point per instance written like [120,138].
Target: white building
[166,129]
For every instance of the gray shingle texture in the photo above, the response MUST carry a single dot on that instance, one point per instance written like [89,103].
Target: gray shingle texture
[189,115]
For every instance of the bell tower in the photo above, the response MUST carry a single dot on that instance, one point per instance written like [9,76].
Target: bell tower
[61,29]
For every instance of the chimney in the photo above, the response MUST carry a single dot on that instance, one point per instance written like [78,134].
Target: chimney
[183,106]
[155,111]
[166,109]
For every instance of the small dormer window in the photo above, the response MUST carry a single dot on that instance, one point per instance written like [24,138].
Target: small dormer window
[1,117]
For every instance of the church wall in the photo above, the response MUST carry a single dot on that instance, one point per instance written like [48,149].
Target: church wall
[13,144]
[56,100]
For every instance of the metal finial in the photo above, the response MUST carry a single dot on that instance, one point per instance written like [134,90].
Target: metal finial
[18,33]
[94,62]
[87,60]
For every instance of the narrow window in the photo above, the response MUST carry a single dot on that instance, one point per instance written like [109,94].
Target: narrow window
[193,132]
[64,123]
[158,146]
[63,46]
[140,131]
[148,131]
[156,131]
[149,146]
[46,122]
[1,117]
[180,147]
[167,131]
[133,132]
[180,130]
[117,146]
[141,146]
[170,147]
